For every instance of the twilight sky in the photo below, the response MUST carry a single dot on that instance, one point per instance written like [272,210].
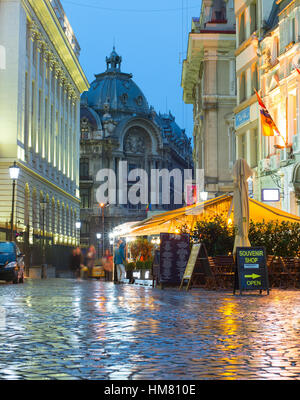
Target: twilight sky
[150,37]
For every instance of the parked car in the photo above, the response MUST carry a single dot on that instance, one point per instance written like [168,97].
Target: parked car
[11,263]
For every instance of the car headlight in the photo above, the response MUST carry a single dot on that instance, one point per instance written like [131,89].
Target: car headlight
[11,265]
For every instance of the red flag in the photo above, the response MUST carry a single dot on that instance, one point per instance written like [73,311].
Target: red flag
[297,69]
[261,103]
[276,77]
[269,127]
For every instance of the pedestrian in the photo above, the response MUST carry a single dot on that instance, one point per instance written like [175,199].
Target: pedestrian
[120,259]
[76,261]
[108,265]
[91,257]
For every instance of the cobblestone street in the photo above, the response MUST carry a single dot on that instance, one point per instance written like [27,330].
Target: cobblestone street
[68,329]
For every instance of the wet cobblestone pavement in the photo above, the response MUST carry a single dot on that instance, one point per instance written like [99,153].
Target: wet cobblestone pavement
[67,329]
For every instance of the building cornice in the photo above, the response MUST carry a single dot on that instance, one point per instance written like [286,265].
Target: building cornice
[243,46]
[44,180]
[54,30]
[245,104]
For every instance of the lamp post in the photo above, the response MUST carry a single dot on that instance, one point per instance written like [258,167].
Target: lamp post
[98,235]
[14,172]
[103,206]
[43,205]
[78,227]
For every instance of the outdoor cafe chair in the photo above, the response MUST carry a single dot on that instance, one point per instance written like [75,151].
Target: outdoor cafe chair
[223,269]
[279,276]
[291,268]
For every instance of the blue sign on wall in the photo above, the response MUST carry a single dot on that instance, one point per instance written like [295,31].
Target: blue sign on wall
[242,117]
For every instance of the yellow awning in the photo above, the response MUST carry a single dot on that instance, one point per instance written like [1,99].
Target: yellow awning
[170,221]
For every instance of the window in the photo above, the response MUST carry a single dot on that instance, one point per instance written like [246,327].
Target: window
[132,167]
[242,87]
[242,36]
[254,148]
[254,77]
[85,197]
[243,147]
[292,118]
[84,168]
[85,228]
[292,31]
[253,17]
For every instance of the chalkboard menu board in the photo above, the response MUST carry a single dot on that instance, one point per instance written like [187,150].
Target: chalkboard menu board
[174,255]
[197,268]
[251,272]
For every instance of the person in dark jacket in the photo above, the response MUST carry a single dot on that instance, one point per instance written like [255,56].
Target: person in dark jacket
[120,259]
[76,261]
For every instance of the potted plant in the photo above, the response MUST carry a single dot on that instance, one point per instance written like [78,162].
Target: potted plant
[141,251]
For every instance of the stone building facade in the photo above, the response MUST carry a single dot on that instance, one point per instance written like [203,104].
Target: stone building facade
[208,81]
[118,126]
[40,90]
[279,50]
[251,17]
[267,57]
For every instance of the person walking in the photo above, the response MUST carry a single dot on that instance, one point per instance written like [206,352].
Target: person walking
[120,259]
[91,257]
[108,265]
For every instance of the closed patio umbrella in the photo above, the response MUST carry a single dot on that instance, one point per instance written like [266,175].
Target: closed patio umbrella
[241,172]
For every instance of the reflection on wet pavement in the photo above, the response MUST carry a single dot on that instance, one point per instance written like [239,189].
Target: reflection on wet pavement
[67,329]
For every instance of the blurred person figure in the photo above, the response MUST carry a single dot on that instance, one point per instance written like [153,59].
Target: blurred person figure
[120,259]
[108,265]
[76,261]
[90,259]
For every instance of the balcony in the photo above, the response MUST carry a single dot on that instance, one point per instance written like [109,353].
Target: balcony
[86,179]
[65,24]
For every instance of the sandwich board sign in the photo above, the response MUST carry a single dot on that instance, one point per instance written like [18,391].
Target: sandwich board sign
[174,255]
[197,268]
[251,270]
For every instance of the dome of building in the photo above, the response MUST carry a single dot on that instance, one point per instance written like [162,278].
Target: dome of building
[115,91]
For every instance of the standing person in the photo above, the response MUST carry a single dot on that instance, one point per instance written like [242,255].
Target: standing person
[108,265]
[76,261]
[120,260]
[91,257]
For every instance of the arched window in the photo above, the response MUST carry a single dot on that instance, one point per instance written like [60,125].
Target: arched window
[85,128]
[63,219]
[35,220]
[58,218]
[53,215]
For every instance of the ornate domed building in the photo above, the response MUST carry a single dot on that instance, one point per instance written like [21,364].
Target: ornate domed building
[117,125]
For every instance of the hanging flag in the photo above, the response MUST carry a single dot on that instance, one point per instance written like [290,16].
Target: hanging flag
[297,69]
[276,77]
[149,207]
[269,127]
[261,103]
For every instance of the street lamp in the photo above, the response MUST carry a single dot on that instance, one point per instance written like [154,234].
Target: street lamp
[43,205]
[98,235]
[78,227]
[14,172]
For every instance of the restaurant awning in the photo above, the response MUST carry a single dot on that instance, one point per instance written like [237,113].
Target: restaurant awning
[169,222]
